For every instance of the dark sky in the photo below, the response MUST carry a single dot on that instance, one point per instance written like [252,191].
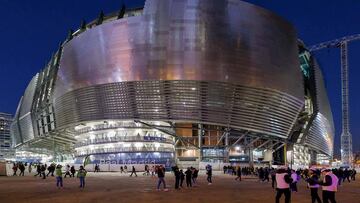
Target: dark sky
[30,31]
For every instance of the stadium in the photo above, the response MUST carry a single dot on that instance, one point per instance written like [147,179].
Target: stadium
[178,82]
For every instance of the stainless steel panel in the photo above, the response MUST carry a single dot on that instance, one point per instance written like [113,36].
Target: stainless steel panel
[204,40]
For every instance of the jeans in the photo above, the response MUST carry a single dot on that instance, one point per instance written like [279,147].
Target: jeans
[209,179]
[82,182]
[59,181]
[161,180]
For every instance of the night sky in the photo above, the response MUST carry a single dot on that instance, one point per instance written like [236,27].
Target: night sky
[30,31]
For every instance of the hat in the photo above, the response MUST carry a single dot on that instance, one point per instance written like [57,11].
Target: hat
[325,170]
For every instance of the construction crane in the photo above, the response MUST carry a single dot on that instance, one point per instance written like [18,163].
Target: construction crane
[346,138]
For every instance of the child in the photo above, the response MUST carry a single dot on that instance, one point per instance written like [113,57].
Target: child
[58,173]
[81,175]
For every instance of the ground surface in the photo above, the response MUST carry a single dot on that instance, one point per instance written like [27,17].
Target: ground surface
[113,187]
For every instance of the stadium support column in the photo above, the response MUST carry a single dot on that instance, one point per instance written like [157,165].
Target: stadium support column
[227,148]
[200,132]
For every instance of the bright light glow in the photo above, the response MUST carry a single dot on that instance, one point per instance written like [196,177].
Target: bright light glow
[111,134]
[138,144]
[127,144]
[138,154]
[237,148]
[157,145]
[193,88]
[92,136]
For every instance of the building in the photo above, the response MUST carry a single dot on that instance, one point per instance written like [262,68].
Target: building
[180,82]
[6,151]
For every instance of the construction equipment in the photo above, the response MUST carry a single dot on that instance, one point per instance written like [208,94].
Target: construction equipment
[346,138]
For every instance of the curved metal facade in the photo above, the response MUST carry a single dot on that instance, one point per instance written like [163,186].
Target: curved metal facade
[180,61]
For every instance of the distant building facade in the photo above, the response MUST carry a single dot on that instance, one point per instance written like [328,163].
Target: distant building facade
[6,150]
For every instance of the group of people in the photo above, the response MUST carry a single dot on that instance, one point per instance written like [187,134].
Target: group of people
[52,168]
[286,180]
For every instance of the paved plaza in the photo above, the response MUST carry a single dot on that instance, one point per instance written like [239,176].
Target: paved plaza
[113,187]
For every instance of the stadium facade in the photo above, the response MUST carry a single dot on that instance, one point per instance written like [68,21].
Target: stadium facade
[179,81]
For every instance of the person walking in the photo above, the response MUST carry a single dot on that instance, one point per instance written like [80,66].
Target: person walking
[209,174]
[22,169]
[353,174]
[125,169]
[67,171]
[294,177]
[238,173]
[161,178]
[195,173]
[14,168]
[38,170]
[182,177]
[58,173]
[43,169]
[266,174]
[133,171]
[122,169]
[30,168]
[329,186]
[177,175]
[273,179]
[73,171]
[313,184]
[188,174]
[283,179]
[81,175]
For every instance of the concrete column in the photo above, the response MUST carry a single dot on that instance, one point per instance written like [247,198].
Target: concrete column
[227,148]
[200,141]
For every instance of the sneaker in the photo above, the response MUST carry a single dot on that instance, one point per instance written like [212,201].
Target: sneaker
[209,183]
[166,189]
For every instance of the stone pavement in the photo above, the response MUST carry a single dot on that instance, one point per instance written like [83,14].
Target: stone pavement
[114,187]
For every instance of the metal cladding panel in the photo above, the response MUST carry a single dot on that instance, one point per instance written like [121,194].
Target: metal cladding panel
[260,110]
[241,60]
[321,134]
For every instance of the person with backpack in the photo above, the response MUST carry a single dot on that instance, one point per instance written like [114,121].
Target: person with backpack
[81,175]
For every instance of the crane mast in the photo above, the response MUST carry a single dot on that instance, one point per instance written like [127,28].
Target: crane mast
[346,137]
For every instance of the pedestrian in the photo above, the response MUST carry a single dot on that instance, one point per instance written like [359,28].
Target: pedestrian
[133,171]
[182,177]
[125,169]
[294,177]
[30,168]
[58,173]
[266,175]
[346,175]
[353,174]
[161,178]
[121,169]
[67,171]
[81,175]
[43,169]
[209,174]
[194,175]
[177,177]
[283,179]
[14,168]
[188,174]
[313,184]
[273,179]
[152,171]
[22,169]
[224,169]
[72,170]
[329,186]
[238,173]
[38,170]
